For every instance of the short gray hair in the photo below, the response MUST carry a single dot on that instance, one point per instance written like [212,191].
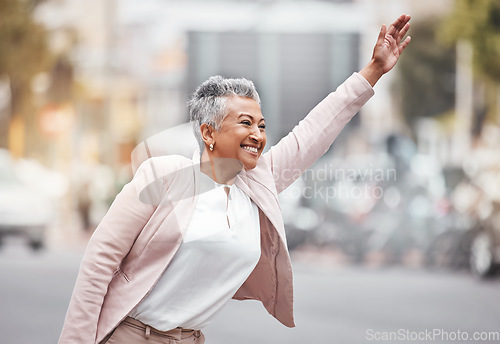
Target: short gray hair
[208,102]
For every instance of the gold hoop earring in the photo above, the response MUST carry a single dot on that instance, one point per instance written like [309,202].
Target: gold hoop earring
[211,147]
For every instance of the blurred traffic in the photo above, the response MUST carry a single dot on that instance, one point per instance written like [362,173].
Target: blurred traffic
[419,214]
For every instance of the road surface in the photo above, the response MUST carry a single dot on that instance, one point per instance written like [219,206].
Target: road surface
[333,304]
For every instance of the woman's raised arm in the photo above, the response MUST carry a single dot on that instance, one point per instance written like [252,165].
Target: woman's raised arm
[312,137]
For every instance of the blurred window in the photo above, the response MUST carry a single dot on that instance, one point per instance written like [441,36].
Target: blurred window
[301,68]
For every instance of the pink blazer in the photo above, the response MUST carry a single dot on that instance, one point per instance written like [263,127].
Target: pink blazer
[144,226]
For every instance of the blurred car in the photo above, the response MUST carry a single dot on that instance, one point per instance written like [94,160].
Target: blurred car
[23,211]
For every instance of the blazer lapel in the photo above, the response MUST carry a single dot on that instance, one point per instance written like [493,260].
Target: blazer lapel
[264,199]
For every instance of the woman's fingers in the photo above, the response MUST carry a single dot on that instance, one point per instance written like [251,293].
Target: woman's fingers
[405,43]
[397,25]
[403,32]
[399,28]
[402,21]
[381,36]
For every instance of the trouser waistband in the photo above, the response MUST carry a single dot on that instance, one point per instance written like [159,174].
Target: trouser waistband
[176,333]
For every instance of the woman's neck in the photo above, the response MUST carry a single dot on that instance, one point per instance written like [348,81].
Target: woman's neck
[221,170]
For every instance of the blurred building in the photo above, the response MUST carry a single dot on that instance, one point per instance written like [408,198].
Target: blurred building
[135,63]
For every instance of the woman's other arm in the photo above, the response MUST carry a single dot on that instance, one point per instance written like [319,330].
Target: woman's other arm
[107,247]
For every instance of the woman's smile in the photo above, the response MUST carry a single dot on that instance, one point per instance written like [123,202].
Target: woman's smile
[250,149]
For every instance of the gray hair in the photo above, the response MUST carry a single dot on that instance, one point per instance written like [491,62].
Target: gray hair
[208,102]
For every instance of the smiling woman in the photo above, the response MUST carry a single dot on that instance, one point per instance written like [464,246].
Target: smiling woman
[160,268]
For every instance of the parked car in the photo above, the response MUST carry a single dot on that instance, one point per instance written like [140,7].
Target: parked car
[23,211]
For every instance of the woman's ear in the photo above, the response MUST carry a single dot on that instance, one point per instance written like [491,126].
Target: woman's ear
[207,131]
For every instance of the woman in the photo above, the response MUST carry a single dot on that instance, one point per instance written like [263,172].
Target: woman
[185,236]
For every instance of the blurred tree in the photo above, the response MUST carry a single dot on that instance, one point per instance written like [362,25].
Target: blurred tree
[24,51]
[61,86]
[426,74]
[479,23]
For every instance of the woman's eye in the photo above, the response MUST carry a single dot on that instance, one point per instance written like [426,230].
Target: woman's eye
[262,126]
[246,123]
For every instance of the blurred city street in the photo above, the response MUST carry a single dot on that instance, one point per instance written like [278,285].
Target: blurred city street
[394,231]
[334,303]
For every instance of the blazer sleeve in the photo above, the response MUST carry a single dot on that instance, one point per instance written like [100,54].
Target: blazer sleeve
[109,244]
[312,137]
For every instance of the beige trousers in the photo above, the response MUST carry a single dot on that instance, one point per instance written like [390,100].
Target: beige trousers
[131,331]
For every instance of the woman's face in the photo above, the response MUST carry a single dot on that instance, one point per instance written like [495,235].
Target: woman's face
[242,135]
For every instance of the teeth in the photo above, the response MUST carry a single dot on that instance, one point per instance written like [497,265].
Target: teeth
[250,149]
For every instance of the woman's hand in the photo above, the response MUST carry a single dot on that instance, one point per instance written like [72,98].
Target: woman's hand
[389,46]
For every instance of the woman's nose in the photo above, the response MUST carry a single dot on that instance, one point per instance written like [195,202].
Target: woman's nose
[257,135]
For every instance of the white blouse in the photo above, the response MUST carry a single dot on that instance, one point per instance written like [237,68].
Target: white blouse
[220,249]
